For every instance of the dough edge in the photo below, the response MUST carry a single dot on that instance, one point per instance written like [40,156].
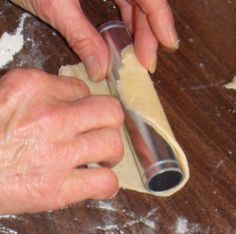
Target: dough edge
[231,85]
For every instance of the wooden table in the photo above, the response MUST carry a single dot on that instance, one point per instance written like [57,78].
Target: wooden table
[201,111]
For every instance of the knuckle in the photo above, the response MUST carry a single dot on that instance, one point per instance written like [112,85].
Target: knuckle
[113,106]
[13,72]
[111,103]
[82,86]
[21,80]
[13,77]
[80,43]
[14,82]
[77,84]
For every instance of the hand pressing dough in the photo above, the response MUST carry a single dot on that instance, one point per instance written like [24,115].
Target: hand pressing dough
[138,94]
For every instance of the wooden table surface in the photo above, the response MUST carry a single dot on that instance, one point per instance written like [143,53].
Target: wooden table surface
[201,111]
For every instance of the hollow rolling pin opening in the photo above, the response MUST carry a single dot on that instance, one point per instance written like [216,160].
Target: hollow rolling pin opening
[156,157]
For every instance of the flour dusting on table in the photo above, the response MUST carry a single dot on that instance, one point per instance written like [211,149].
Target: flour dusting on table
[8,217]
[103,205]
[111,225]
[6,230]
[183,226]
[11,44]
[106,205]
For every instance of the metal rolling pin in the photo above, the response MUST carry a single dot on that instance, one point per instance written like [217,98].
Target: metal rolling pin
[161,169]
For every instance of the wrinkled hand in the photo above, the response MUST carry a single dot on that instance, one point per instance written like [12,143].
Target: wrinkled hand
[150,21]
[48,127]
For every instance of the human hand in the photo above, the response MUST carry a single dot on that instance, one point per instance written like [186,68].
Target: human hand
[48,127]
[149,21]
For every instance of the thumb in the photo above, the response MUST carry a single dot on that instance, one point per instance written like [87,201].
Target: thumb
[68,18]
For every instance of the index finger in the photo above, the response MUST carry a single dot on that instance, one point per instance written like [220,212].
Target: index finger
[161,20]
[89,113]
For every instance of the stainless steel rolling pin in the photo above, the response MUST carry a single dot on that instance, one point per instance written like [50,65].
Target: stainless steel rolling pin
[161,168]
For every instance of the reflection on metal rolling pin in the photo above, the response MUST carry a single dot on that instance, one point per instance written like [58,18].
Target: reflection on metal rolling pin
[162,171]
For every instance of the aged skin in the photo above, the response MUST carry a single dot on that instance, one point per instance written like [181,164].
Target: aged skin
[150,22]
[48,127]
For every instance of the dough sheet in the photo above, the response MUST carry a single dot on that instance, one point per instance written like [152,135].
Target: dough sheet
[138,94]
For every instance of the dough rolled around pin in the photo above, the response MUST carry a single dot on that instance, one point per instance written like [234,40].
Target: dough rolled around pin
[134,84]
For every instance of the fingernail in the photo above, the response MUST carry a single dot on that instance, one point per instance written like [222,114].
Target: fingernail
[168,49]
[152,61]
[93,67]
[174,37]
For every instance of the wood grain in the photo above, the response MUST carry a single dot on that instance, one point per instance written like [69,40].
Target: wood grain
[201,111]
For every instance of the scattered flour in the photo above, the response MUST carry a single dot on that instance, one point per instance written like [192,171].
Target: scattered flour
[103,205]
[144,220]
[34,42]
[8,217]
[183,226]
[231,85]
[110,225]
[204,86]
[191,40]
[219,163]
[106,205]
[5,230]
[10,44]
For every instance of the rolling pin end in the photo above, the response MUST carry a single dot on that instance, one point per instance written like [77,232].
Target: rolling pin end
[164,178]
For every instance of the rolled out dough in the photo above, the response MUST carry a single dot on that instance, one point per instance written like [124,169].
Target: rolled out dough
[138,94]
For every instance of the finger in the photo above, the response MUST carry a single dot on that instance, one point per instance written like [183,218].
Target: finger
[161,20]
[99,146]
[53,190]
[127,13]
[144,39]
[69,19]
[145,42]
[61,87]
[34,82]
[69,88]
[99,183]
[91,113]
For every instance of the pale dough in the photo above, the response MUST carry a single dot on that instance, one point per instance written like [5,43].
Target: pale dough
[138,94]
[231,85]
